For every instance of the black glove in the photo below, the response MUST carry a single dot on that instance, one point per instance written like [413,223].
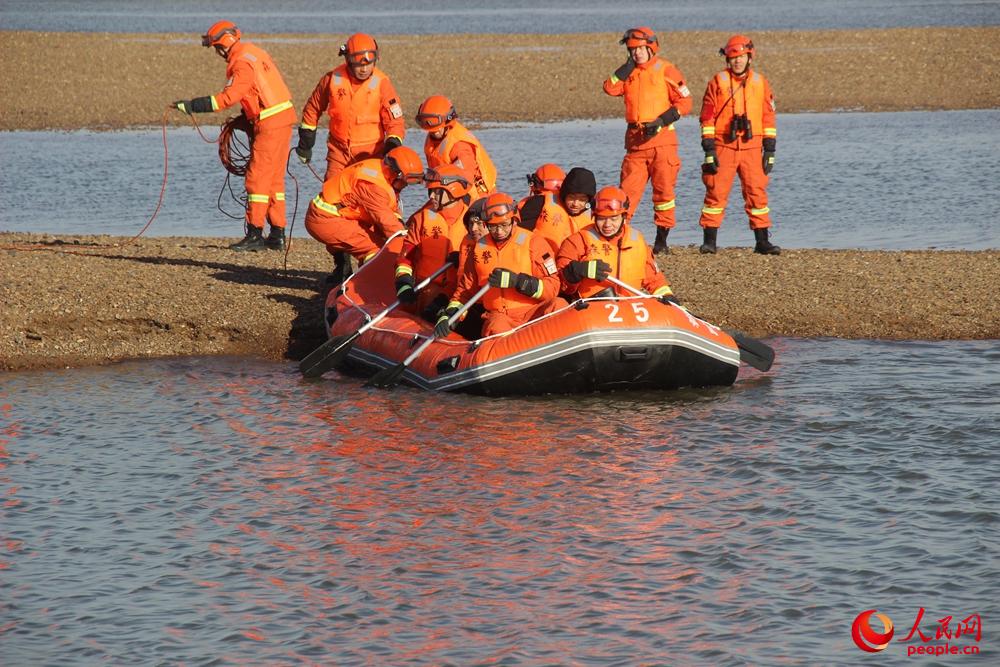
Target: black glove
[184,106]
[453,257]
[404,288]
[390,143]
[197,105]
[595,269]
[669,298]
[307,139]
[711,163]
[502,278]
[768,160]
[527,285]
[625,70]
[442,328]
[668,117]
[434,307]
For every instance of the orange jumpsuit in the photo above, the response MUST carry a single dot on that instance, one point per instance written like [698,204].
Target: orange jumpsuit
[362,115]
[506,308]
[356,211]
[431,238]
[553,222]
[650,90]
[254,82]
[461,148]
[626,252]
[727,95]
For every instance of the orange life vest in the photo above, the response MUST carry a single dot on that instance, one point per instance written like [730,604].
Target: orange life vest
[331,199]
[437,238]
[627,256]
[439,152]
[646,92]
[739,97]
[553,223]
[355,118]
[515,255]
[581,221]
[270,95]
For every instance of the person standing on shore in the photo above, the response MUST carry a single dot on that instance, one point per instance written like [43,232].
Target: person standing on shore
[366,118]
[256,84]
[358,210]
[655,98]
[738,135]
[449,142]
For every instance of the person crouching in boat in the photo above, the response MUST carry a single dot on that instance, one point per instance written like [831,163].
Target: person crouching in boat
[449,142]
[610,247]
[543,196]
[518,266]
[358,210]
[434,236]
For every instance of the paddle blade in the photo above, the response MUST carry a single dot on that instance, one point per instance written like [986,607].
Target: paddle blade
[387,378]
[753,352]
[327,356]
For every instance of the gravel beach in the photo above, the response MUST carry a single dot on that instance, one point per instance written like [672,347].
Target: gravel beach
[73,301]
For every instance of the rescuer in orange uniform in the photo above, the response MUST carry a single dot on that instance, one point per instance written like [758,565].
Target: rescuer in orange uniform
[738,135]
[655,98]
[576,197]
[358,209]
[543,194]
[254,82]
[612,247]
[519,266]
[449,142]
[434,236]
[366,118]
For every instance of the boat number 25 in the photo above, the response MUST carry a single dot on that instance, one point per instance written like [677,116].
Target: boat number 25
[638,309]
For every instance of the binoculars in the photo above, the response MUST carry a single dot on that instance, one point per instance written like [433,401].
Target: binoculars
[740,124]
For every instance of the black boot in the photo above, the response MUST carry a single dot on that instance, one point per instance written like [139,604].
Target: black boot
[275,239]
[709,236]
[660,244]
[764,247]
[252,242]
[342,269]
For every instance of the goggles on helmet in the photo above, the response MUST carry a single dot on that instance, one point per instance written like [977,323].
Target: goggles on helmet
[359,58]
[632,38]
[429,121]
[216,37]
[498,214]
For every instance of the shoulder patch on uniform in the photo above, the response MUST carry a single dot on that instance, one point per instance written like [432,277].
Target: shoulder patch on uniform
[774,107]
[229,82]
[395,109]
[683,90]
[550,263]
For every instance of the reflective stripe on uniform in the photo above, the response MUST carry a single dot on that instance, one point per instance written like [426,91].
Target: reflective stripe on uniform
[760,211]
[277,108]
[279,196]
[257,199]
[664,205]
[215,105]
[708,210]
[708,130]
[323,206]
[307,127]
[770,132]
[660,291]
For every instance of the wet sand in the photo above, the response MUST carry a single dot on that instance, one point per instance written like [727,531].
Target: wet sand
[72,301]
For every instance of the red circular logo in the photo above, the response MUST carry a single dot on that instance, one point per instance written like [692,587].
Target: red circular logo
[865,637]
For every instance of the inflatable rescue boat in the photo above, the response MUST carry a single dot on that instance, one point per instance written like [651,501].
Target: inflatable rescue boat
[596,344]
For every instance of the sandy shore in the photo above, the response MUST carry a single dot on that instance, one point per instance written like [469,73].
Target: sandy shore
[74,301]
[81,301]
[109,81]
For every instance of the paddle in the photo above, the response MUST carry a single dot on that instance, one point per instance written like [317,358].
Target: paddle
[752,351]
[387,378]
[332,352]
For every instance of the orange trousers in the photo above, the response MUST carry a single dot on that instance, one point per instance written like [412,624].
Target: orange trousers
[747,164]
[338,157]
[265,178]
[659,165]
[339,234]
[495,322]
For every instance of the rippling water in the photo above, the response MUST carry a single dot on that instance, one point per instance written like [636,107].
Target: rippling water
[500,16]
[847,180]
[222,511]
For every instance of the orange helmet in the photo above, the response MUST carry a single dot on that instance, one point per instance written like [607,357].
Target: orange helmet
[449,178]
[405,164]
[435,111]
[737,46]
[222,33]
[547,178]
[641,36]
[498,209]
[360,49]
[610,201]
